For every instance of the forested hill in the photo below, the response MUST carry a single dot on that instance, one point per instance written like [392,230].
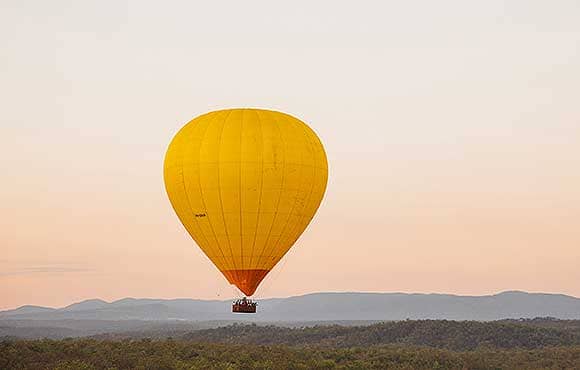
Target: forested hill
[175,354]
[453,335]
[422,344]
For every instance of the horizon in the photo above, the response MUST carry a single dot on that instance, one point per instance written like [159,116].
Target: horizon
[451,130]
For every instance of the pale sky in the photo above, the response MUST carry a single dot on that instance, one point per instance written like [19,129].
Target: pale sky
[452,130]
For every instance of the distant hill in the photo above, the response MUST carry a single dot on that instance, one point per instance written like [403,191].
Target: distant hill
[89,304]
[319,307]
[26,310]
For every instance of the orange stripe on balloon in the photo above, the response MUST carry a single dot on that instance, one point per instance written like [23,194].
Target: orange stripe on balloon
[246,280]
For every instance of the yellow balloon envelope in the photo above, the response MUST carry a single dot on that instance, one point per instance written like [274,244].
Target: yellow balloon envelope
[245,183]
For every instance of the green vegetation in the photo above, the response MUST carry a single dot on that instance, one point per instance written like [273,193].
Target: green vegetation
[422,344]
[172,354]
[453,335]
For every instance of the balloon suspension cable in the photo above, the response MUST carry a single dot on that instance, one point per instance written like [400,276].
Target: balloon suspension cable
[273,278]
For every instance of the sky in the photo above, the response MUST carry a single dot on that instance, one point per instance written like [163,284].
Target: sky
[452,131]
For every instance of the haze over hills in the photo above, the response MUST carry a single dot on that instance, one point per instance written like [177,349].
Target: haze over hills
[319,307]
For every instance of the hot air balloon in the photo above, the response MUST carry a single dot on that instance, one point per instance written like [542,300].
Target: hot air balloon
[245,183]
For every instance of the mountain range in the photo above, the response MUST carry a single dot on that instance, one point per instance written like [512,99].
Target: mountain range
[317,307]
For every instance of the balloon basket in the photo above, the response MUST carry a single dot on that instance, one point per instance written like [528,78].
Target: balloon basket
[244,305]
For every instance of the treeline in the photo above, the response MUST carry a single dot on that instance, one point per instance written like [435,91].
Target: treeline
[452,335]
[79,354]
[549,322]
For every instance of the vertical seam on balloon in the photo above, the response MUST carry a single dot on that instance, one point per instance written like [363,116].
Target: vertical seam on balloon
[203,199]
[276,246]
[313,150]
[182,155]
[240,189]
[309,133]
[261,189]
[260,258]
[220,195]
